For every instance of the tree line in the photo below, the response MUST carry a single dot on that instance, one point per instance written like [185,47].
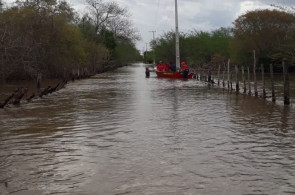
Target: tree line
[270,34]
[49,37]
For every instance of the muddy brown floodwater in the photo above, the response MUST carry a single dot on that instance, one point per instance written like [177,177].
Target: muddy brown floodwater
[121,133]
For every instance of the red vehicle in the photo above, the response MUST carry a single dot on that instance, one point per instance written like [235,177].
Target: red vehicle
[183,73]
[174,75]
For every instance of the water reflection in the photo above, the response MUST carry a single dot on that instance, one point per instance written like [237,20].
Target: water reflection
[121,133]
[284,119]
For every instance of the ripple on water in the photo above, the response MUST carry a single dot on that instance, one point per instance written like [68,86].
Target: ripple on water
[120,133]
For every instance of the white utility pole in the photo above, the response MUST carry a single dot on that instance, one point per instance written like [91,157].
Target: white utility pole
[177,37]
[154,63]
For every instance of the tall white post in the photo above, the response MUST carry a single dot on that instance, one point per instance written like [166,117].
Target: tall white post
[154,57]
[177,37]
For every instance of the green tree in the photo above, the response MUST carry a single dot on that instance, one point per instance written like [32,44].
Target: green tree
[126,52]
[263,31]
[39,37]
[19,51]
[197,47]
[148,57]
[109,39]
[45,36]
[88,29]
[164,47]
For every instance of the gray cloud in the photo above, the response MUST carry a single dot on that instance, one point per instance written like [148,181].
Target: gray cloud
[204,15]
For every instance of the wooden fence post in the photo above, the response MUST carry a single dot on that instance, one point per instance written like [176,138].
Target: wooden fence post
[209,76]
[254,74]
[263,82]
[273,95]
[39,77]
[231,81]
[244,80]
[249,82]
[223,82]
[228,63]
[2,69]
[218,75]
[286,84]
[237,79]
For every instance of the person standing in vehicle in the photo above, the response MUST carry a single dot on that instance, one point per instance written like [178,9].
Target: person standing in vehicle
[160,66]
[184,66]
[172,67]
[167,66]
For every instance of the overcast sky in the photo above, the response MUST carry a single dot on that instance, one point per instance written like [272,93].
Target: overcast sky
[206,15]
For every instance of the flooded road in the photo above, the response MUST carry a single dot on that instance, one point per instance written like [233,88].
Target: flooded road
[120,133]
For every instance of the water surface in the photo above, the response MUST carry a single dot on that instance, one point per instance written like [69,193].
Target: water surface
[121,133]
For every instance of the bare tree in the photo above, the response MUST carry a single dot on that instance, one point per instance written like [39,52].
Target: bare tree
[101,13]
[123,30]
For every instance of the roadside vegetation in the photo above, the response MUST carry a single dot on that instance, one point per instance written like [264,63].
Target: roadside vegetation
[48,37]
[270,33]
